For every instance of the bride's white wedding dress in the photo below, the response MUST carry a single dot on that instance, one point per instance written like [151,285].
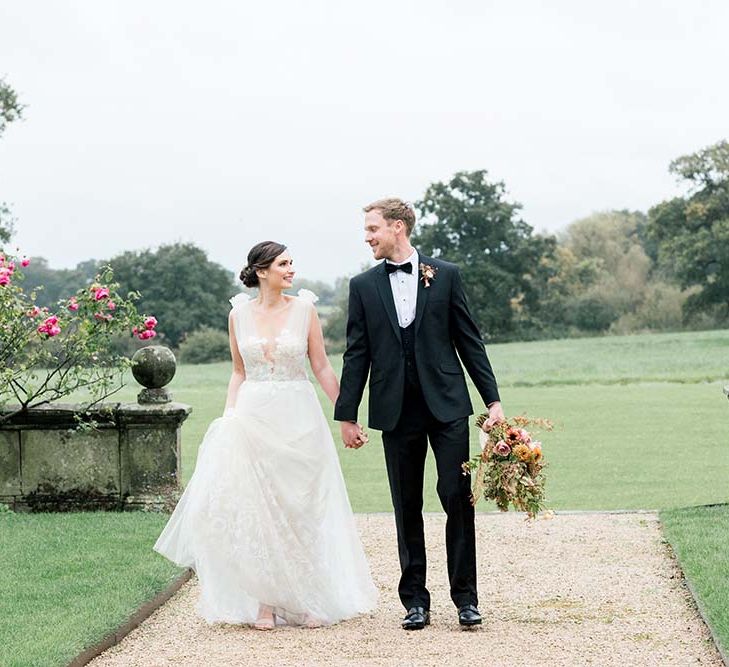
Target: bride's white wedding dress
[265,519]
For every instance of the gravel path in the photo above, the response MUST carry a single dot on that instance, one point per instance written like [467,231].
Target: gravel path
[580,589]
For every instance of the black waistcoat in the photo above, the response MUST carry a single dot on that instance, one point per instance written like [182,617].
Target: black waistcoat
[408,346]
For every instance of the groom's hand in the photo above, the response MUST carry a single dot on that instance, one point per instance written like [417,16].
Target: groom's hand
[353,435]
[496,414]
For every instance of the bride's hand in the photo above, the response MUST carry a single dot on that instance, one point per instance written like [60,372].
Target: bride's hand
[353,435]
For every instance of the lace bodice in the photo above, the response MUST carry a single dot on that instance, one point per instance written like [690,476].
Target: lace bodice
[277,358]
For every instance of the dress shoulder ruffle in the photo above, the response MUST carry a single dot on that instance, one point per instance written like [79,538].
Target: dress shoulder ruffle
[307,295]
[239,298]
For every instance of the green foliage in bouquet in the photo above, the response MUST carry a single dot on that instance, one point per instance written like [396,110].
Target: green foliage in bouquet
[509,468]
[46,355]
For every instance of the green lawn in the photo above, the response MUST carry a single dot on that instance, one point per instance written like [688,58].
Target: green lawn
[700,538]
[641,422]
[69,579]
[623,439]
[701,356]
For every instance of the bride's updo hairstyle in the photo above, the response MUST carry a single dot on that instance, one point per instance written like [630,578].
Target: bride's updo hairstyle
[260,257]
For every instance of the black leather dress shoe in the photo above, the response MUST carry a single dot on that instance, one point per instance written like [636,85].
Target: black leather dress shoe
[469,615]
[416,619]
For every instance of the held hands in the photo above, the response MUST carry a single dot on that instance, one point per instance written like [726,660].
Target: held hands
[353,435]
[496,414]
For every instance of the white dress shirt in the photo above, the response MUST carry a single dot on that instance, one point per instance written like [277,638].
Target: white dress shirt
[405,291]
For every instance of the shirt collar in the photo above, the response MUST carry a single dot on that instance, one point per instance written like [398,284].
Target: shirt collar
[413,259]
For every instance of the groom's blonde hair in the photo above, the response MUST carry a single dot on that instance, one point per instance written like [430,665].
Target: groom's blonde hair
[392,209]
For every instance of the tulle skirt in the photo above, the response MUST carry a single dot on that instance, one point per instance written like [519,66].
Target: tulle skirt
[266,519]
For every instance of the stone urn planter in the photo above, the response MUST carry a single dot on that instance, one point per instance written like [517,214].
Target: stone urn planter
[130,459]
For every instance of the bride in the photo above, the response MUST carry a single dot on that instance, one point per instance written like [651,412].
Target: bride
[265,520]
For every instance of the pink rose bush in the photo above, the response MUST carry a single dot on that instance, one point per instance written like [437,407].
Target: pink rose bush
[6,271]
[509,468]
[47,354]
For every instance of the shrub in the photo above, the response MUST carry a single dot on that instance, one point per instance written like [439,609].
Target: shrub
[661,310]
[591,312]
[205,346]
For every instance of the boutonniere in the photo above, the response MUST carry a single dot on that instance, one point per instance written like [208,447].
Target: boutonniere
[427,273]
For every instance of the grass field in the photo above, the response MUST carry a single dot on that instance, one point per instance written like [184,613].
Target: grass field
[69,579]
[641,421]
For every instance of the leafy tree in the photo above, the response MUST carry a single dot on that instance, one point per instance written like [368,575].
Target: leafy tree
[469,221]
[334,325]
[692,232]
[611,268]
[7,225]
[10,110]
[177,282]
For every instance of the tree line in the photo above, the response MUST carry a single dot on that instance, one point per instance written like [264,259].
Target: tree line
[617,271]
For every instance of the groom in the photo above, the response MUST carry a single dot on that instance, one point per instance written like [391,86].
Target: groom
[408,325]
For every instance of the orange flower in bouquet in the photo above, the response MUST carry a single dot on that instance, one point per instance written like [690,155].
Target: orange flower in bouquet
[509,469]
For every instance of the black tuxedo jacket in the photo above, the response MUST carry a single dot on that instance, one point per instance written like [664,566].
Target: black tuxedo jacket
[443,327]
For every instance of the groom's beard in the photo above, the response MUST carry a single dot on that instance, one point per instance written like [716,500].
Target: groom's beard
[382,252]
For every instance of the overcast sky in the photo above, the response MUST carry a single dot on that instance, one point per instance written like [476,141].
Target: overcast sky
[227,123]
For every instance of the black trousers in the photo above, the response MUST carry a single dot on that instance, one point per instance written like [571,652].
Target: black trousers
[406,447]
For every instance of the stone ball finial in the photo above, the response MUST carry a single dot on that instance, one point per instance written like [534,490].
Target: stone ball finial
[154,367]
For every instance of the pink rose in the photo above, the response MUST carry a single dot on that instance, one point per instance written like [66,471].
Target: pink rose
[11,267]
[149,333]
[73,304]
[110,305]
[24,262]
[502,449]
[49,328]
[150,322]
[103,318]
[101,293]
[50,321]
[4,277]
[34,312]
[135,330]
[525,437]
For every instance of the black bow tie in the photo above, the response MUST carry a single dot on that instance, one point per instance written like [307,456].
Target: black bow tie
[391,268]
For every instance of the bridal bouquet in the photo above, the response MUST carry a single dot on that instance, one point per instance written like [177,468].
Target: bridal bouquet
[509,468]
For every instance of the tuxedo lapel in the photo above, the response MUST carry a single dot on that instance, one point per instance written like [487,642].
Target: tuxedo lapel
[385,291]
[423,293]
